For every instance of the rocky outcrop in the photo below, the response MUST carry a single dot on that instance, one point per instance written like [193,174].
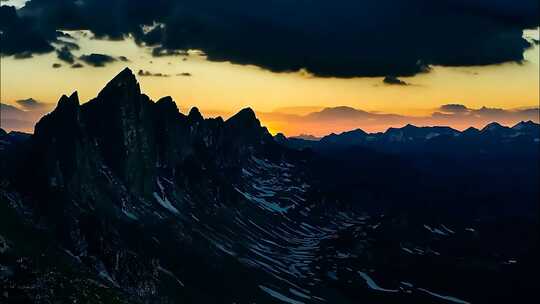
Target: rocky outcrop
[133,136]
[120,161]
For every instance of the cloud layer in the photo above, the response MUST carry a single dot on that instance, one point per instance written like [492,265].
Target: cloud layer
[24,115]
[342,38]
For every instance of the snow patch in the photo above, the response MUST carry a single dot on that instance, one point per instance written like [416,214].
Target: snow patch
[372,283]
[435,230]
[447,298]
[279,296]
[164,202]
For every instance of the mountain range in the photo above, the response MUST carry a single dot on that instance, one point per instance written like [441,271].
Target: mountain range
[121,199]
[411,138]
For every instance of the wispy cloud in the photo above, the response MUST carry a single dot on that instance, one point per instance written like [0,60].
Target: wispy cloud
[144,73]
[392,80]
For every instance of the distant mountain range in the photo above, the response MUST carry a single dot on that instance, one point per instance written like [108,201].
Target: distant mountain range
[24,115]
[125,200]
[344,118]
[424,139]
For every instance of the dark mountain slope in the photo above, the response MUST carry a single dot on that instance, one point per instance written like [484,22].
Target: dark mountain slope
[96,174]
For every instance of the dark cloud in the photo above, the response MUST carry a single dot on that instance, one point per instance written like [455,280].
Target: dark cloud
[392,80]
[144,73]
[454,108]
[27,33]
[97,60]
[352,38]
[77,65]
[123,59]
[22,36]
[68,44]
[56,65]
[23,55]
[61,34]
[31,104]
[342,38]
[185,74]
[64,54]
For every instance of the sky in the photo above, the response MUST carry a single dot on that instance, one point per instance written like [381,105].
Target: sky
[305,67]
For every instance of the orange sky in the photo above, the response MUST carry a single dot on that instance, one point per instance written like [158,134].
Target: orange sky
[224,88]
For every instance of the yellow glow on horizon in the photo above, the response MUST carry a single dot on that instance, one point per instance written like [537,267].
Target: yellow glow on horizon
[222,87]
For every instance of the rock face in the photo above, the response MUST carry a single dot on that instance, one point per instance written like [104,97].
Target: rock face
[130,135]
[122,157]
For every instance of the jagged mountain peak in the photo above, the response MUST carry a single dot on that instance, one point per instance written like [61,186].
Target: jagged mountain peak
[355,132]
[166,99]
[393,130]
[246,112]
[471,131]
[492,127]
[245,117]
[345,138]
[65,114]
[412,131]
[124,82]
[280,137]
[410,126]
[125,75]
[358,131]
[525,124]
[135,138]
[167,103]
[195,114]
[166,109]
[74,95]
[244,128]
[71,101]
